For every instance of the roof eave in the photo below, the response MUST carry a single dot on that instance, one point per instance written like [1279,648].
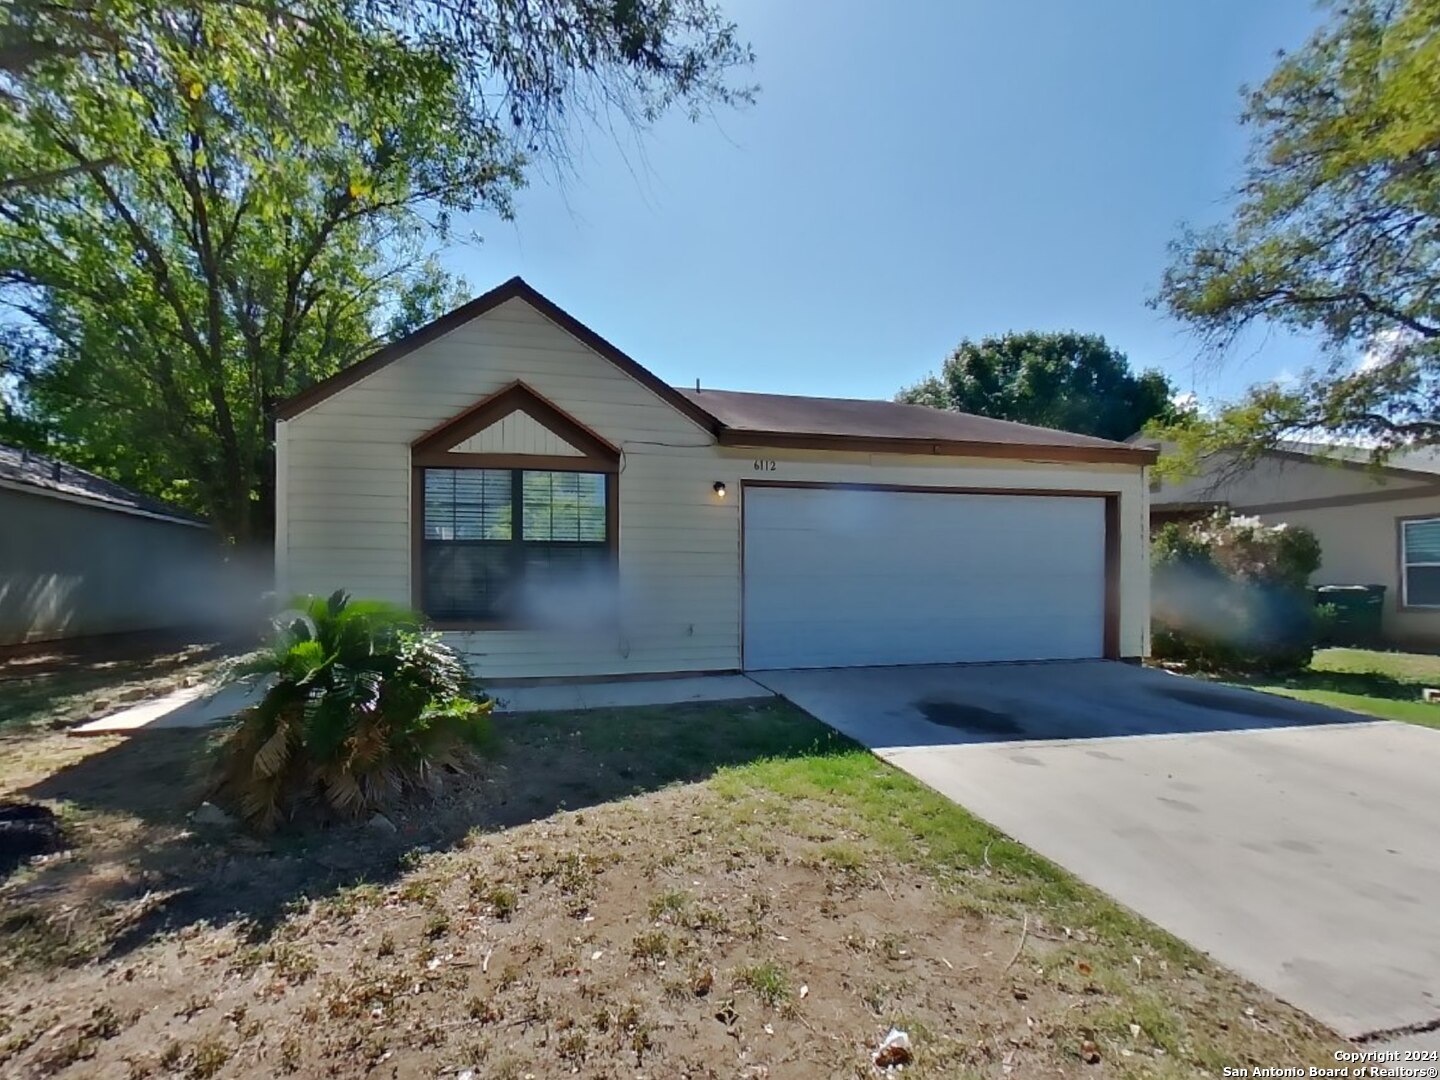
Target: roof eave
[1118,454]
[97,503]
[514,289]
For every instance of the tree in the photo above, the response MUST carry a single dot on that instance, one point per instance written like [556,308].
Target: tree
[1336,233]
[206,207]
[1072,382]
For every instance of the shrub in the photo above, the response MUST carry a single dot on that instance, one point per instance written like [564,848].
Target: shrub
[364,706]
[1229,593]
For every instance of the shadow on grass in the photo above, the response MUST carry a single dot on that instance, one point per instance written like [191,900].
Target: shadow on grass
[538,765]
[1362,683]
[58,682]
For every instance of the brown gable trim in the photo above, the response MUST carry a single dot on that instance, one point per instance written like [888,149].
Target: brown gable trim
[514,289]
[1125,455]
[516,397]
[447,459]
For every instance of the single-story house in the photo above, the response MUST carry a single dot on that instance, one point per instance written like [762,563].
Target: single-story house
[559,511]
[81,555]
[1377,525]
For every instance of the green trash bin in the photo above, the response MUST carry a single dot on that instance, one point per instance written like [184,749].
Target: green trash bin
[1359,613]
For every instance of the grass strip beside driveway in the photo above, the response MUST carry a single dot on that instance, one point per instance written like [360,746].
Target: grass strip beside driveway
[1374,682]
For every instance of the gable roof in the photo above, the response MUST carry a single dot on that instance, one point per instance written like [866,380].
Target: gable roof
[828,423]
[745,419]
[514,289]
[517,397]
[25,469]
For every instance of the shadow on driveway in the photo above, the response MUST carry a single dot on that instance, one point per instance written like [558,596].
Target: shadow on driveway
[992,703]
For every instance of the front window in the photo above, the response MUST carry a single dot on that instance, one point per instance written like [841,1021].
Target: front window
[509,545]
[1420,562]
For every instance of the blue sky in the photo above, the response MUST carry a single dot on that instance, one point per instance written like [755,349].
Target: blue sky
[911,174]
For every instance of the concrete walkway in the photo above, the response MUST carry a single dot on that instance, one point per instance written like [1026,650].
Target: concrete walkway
[1299,846]
[565,697]
[203,706]
[192,707]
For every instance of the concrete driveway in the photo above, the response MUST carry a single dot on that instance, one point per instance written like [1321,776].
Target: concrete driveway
[1298,845]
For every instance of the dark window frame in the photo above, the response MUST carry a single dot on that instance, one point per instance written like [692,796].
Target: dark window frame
[517,545]
[436,449]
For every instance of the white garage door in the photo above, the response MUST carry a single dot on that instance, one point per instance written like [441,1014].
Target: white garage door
[847,577]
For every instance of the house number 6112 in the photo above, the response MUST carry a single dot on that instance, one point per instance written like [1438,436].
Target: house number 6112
[764,465]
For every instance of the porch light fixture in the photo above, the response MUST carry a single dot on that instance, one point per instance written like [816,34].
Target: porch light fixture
[719,488]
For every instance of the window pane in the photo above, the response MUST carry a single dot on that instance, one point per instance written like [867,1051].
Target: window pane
[468,581]
[1422,541]
[566,584]
[467,504]
[1422,586]
[564,506]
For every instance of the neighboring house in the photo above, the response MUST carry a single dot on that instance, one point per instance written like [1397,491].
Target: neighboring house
[561,511]
[81,555]
[1377,525]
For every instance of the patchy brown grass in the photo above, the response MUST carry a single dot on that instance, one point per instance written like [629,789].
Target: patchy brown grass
[700,891]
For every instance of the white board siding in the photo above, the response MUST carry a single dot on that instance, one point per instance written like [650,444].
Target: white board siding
[347,474]
[518,433]
[846,577]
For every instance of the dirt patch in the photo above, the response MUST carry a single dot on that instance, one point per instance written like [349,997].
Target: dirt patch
[706,891]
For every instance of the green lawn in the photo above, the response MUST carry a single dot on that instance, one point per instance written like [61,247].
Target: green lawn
[1383,684]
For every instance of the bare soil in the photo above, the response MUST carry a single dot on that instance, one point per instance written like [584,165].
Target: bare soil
[703,891]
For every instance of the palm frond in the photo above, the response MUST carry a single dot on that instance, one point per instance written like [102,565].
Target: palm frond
[272,756]
[364,708]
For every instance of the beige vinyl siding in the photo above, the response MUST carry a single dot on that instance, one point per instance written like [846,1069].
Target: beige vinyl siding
[518,433]
[1360,545]
[346,465]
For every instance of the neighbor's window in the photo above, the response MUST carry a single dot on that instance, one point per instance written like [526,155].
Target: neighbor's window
[1420,555]
[478,564]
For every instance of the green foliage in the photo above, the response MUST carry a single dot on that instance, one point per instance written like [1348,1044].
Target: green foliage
[209,206]
[1336,234]
[362,707]
[1229,593]
[1067,381]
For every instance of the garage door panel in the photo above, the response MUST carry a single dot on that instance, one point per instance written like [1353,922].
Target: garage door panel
[843,577]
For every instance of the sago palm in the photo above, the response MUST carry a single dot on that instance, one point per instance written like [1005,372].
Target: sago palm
[362,707]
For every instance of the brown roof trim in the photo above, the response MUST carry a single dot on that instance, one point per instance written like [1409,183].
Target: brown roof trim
[1117,454]
[1363,498]
[517,289]
[1188,507]
[517,397]
[514,289]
